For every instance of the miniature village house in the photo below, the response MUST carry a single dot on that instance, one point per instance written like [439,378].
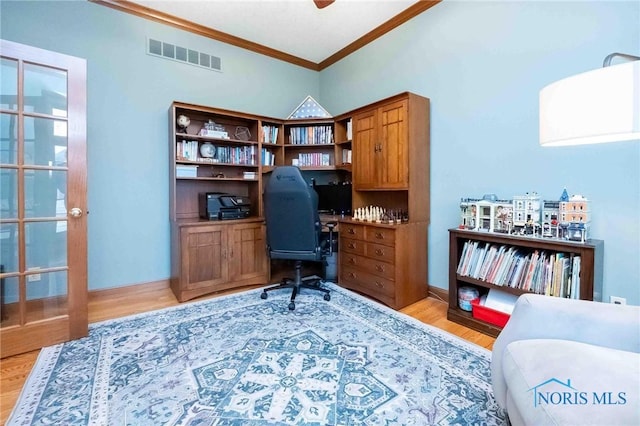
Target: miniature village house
[568,218]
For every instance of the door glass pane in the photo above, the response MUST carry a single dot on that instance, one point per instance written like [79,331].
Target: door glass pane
[9,308]
[45,193]
[45,90]
[9,247]
[8,193]
[8,139]
[45,142]
[46,295]
[46,244]
[9,84]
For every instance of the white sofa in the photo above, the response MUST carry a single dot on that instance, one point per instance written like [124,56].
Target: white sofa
[568,362]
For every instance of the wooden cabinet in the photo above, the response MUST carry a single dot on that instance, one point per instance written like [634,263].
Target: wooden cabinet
[589,271]
[391,171]
[381,147]
[248,254]
[219,255]
[377,260]
[217,151]
[384,144]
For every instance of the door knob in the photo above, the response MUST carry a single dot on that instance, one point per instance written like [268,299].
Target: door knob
[75,212]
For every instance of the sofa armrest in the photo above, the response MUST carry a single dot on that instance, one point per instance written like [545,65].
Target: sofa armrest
[546,317]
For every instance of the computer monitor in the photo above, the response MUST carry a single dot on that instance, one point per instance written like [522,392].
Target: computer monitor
[334,198]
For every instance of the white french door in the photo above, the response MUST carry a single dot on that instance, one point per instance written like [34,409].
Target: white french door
[43,237]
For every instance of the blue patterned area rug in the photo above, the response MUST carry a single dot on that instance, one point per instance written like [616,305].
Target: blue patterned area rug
[241,360]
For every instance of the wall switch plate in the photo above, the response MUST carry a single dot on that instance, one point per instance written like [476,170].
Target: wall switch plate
[617,300]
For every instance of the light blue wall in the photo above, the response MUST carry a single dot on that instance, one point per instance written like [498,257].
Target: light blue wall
[482,65]
[129,95]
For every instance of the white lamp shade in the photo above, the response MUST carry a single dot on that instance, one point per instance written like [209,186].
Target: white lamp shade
[593,107]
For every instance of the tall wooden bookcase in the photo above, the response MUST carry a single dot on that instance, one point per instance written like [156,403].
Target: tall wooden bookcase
[209,256]
[390,170]
[590,270]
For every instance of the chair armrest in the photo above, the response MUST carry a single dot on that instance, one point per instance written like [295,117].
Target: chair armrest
[546,317]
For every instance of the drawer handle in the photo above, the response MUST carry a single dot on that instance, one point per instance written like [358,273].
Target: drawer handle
[351,231]
[352,245]
[352,275]
[379,236]
[352,261]
[379,284]
[379,268]
[379,252]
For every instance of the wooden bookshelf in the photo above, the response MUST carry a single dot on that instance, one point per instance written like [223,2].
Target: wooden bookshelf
[589,273]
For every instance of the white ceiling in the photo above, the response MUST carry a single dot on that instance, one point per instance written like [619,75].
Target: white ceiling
[295,27]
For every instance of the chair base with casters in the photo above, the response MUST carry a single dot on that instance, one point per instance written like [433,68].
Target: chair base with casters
[297,283]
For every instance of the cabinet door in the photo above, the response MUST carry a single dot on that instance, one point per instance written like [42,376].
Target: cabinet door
[365,146]
[204,257]
[248,257]
[392,155]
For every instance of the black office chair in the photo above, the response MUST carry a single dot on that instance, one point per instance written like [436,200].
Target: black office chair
[294,231]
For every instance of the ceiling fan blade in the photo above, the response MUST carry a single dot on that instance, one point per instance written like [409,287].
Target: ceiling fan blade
[320,4]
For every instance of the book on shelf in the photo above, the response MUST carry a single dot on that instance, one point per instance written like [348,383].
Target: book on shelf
[314,159]
[346,156]
[575,278]
[538,271]
[311,135]
[268,158]
[349,129]
[269,134]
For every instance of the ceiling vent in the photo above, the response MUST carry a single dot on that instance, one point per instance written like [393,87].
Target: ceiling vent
[166,50]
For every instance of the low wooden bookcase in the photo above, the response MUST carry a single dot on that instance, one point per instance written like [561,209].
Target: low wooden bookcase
[590,269]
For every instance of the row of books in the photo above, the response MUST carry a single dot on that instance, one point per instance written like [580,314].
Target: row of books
[269,133]
[314,159]
[538,271]
[235,154]
[188,150]
[321,135]
[346,156]
[268,157]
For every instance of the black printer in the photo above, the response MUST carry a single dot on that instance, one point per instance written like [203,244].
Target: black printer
[220,206]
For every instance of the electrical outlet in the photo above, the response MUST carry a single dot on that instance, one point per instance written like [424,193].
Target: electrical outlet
[617,300]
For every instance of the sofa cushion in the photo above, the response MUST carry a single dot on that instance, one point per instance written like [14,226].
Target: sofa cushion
[564,382]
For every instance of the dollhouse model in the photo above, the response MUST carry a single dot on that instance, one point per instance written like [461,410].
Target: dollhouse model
[526,213]
[487,214]
[550,218]
[575,215]
[569,218]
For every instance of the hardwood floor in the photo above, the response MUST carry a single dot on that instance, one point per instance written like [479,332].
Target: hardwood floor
[118,303]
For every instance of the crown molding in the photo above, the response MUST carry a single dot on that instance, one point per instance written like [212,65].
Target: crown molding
[192,27]
[396,21]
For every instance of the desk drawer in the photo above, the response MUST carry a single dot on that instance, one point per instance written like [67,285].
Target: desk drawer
[368,283]
[350,230]
[378,235]
[350,245]
[372,266]
[380,252]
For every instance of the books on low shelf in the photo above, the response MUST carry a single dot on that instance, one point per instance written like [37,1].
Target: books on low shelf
[537,271]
